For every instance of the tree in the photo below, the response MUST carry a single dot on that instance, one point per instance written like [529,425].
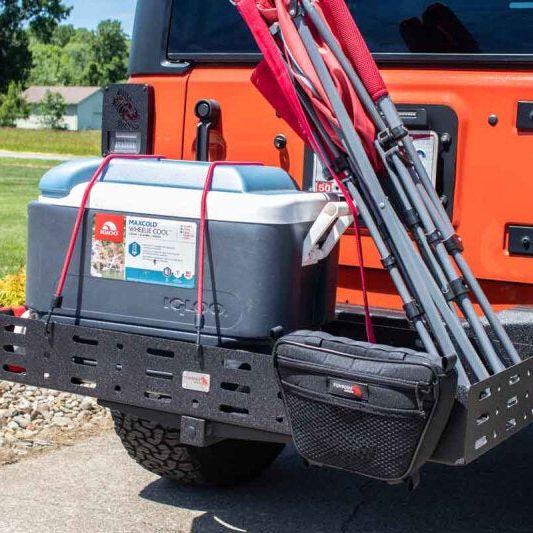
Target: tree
[42,16]
[80,56]
[52,109]
[13,105]
[63,34]
[47,64]
[109,54]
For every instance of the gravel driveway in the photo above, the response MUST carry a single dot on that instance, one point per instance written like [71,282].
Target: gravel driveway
[94,487]
[34,420]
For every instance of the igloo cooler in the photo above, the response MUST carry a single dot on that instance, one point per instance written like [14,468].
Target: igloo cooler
[135,267]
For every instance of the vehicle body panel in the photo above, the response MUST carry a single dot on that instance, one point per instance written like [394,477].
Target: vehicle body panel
[493,184]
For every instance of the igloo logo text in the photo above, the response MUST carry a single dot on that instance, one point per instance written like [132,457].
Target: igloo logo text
[109,228]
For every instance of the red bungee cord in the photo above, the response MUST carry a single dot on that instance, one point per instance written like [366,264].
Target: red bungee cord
[57,299]
[200,315]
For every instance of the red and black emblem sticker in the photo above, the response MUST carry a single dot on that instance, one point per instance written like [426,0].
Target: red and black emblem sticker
[348,389]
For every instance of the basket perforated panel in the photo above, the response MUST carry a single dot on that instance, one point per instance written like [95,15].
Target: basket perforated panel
[498,408]
[144,372]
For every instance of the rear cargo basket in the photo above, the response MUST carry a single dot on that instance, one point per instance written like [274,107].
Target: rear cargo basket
[487,414]
[144,372]
[112,366]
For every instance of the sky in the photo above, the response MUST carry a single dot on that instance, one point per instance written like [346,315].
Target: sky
[88,13]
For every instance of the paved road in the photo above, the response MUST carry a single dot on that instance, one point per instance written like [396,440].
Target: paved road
[35,155]
[94,487]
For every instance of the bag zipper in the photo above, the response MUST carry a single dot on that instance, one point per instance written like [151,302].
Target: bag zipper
[351,404]
[423,360]
[435,371]
[410,385]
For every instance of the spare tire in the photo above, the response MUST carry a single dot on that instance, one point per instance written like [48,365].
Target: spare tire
[158,449]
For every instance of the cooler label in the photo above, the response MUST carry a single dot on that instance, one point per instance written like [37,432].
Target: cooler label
[161,251]
[108,258]
[144,250]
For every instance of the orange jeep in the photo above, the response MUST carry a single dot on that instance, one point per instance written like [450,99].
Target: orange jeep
[461,73]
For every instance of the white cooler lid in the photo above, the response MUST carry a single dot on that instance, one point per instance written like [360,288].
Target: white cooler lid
[256,195]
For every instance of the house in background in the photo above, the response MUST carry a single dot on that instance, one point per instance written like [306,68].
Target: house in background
[84,107]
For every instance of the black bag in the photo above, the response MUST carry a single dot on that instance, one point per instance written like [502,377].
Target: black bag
[369,409]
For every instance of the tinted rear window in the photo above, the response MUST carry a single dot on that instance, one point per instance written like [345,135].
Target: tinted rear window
[208,27]
[213,27]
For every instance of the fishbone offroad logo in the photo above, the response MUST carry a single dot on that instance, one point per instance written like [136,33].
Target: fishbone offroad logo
[109,228]
[128,113]
[348,389]
[196,381]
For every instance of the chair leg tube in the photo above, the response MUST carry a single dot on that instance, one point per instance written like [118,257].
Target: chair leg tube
[444,226]
[380,123]
[406,252]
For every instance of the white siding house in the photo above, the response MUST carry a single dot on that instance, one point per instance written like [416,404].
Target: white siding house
[84,107]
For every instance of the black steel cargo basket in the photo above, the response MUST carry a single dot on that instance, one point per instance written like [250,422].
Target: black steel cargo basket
[146,372]
[143,372]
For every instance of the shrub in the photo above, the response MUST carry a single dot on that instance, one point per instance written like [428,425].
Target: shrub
[52,109]
[13,105]
[12,289]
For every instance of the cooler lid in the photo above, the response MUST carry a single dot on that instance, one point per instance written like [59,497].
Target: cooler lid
[255,194]
[60,180]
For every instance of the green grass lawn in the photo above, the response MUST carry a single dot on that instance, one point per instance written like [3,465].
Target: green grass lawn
[19,180]
[52,142]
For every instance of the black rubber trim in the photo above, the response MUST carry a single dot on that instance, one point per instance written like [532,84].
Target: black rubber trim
[388,262]
[412,311]
[411,218]
[399,133]
[454,244]
[459,287]
[479,62]
[434,238]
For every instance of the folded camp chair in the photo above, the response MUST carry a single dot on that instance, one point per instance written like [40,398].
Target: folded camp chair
[320,76]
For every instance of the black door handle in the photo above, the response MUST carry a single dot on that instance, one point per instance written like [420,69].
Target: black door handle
[208,112]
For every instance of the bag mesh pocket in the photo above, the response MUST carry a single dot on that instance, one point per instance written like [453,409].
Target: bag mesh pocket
[374,444]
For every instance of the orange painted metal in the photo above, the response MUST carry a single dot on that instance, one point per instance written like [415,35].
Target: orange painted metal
[494,183]
[248,124]
[170,94]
